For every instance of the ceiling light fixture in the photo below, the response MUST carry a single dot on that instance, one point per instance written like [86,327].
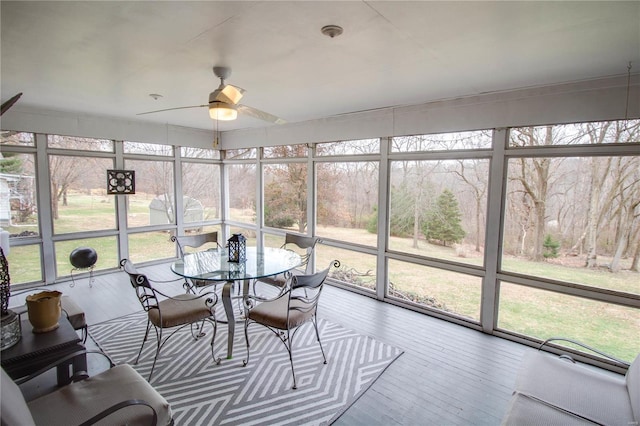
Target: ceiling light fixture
[331,30]
[222,111]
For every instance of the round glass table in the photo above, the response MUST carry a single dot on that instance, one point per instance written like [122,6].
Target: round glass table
[214,266]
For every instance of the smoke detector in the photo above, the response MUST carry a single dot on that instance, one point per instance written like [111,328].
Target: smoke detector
[331,30]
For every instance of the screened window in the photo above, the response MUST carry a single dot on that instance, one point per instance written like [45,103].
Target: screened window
[242,192]
[434,288]
[544,314]
[201,191]
[354,147]
[443,141]
[18,195]
[17,138]
[356,269]
[285,151]
[106,247]
[153,203]
[147,149]
[347,197]
[147,246]
[188,152]
[25,264]
[285,196]
[82,144]
[596,133]
[79,200]
[574,227]
[240,154]
[438,208]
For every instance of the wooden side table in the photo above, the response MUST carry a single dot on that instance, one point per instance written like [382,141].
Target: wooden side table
[35,351]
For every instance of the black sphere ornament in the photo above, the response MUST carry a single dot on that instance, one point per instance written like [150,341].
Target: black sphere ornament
[83,257]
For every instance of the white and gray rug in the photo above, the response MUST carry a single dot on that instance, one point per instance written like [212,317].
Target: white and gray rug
[202,393]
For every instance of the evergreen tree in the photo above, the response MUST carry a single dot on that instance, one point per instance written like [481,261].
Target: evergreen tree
[442,222]
[10,163]
[551,247]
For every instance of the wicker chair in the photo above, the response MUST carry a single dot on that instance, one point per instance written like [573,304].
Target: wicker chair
[172,312]
[284,315]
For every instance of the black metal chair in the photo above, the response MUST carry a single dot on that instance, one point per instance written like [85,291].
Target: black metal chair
[174,312]
[304,246]
[183,242]
[284,315]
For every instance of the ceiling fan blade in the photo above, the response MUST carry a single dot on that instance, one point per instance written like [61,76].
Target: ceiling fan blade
[228,93]
[256,113]
[171,109]
[6,105]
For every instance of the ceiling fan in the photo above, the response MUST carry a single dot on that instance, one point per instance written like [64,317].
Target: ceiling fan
[223,102]
[8,104]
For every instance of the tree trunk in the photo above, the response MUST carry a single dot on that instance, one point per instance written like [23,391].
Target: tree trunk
[478,207]
[623,233]
[523,240]
[592,217]
[636,257]
[416,221]
[54,201]
[538,253]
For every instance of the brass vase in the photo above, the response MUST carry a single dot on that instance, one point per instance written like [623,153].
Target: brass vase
[44,310]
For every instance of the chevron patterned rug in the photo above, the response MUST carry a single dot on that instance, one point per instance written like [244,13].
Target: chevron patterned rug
[202,393]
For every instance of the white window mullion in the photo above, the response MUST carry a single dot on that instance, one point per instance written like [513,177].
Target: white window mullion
[224,200]
[383,218]
[259,198]
[493,246]
[178,193]
[44,207]
[121,206]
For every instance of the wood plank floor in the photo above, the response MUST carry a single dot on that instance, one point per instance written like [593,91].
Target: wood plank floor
[448,374]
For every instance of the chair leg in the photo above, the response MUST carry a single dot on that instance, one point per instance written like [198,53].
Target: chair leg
[159,345]
[146,336]
[246,338]
[200,333]
[315,325]
[213,340]
[288,344]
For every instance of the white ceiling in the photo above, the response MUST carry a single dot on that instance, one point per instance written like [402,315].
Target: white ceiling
[107,57]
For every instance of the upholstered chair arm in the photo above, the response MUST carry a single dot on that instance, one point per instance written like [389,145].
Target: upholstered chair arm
[76,376]
[119,406]
[585,346]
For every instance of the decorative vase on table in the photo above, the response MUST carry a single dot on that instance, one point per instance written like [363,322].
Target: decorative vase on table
[44,310]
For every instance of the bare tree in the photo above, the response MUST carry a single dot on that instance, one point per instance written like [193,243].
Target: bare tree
[613,184]
[64,172]
[533,175]
[475,174]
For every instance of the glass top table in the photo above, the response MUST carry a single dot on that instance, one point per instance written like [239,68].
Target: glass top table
[214,266]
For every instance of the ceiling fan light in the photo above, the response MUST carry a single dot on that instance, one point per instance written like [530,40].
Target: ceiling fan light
[222,111]
[233,93]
